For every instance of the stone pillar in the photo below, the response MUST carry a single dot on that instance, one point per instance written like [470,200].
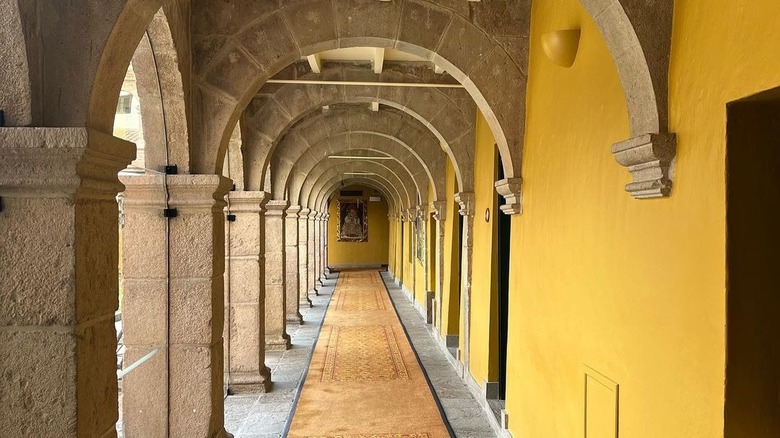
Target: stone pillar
[58,280]
[276,337]
[291,293]
[303,258]
[440,214]
[312,251]
[466,202]
[317,251]
[246,303]
[145,305]
[196,306]
[323,236]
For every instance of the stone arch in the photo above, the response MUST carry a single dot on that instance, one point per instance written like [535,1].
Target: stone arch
[449,116]
[405,190]
[638,35]
[164,112]
[397,173]
[374,183]
[264,40]
[291,165]
[386,122]
[321,175]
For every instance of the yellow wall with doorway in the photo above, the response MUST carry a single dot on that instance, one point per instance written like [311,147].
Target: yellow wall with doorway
[634,289]
[376,250]
[484,282]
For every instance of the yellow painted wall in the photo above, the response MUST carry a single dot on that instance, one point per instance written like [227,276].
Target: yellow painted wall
[634,289]
[375,251]
[451,298]
[408,260]
[391,247]
[484,283]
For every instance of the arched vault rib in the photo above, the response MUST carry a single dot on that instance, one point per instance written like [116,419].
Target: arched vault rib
[375,184]
[387,122]
[257,41]
[290,165]
[638,35]
[404,189]
[161,92]
[449,114]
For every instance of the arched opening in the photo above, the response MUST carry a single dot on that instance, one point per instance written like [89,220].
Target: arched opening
[753,257]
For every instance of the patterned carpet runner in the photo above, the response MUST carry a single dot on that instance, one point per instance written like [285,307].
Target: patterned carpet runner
[364,379]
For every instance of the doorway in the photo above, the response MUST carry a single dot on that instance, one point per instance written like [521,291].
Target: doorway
[753,258]
[503,242]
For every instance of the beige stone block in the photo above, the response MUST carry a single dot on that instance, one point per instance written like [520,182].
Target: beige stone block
[245,332]
[38,381]
[244,279]
[145,249]
[97,387]
[145,394]
[244,234]
[145,312]
[274,268]
[195,406]
[274,233]
[195,246]
[37,289]
[196,311]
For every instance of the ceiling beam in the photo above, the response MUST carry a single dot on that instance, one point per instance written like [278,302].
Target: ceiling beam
[379,60]
[315,63]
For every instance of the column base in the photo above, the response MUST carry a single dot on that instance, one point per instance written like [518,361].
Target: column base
[278,343]
[224,434]
[251,382]
[295,318]
[305,303]
[314,292]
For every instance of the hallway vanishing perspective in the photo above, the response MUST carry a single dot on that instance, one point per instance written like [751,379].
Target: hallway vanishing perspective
[547,218]
[364,378]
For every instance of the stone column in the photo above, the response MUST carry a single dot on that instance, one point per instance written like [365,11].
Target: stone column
[246,304]
[312,251]
[466,202]
[58,280]
[303,258]
[276,337]
[317,251]
[326,268]
[291,293]
[440,214]
[145,305]
[196,309]
[323,240]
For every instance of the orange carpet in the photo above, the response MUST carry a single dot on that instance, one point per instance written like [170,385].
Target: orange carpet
[364,379]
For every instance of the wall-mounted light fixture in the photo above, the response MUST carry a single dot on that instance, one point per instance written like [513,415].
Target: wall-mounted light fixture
[561,46]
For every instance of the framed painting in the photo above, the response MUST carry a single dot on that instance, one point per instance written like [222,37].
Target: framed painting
[353,221]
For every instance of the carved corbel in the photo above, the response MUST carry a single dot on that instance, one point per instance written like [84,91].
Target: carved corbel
[511,190]
[650,159]
[466,202]
[439,209]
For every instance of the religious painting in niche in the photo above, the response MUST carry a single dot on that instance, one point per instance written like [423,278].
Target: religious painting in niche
[353,221]
[419,226]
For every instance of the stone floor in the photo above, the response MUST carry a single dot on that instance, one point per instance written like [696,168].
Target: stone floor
[267,415]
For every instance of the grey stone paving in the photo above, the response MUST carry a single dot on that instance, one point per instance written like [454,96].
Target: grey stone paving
[267,415]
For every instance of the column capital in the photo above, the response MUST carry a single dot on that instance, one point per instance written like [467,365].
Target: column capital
[276,207]
[62,161]
[248,201]
[439,209]
[198,192]
[304,213]
[144,192]
[511,190]
[422,210]
[293,210]
[650,159]
[313,215]
[466,202]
